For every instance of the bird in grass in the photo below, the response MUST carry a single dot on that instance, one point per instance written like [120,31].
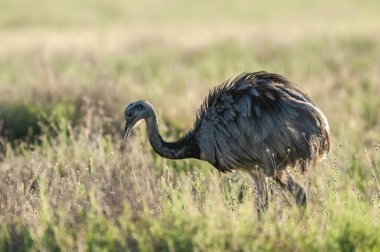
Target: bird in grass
[259,123]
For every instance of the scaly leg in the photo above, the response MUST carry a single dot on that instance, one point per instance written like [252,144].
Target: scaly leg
[261,190]
[288,183]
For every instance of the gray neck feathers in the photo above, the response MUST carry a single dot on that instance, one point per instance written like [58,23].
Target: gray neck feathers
[174,150]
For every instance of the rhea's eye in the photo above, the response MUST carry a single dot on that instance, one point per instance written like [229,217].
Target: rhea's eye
[138,107]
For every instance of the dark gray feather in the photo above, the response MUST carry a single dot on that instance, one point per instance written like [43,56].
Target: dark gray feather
[260,119]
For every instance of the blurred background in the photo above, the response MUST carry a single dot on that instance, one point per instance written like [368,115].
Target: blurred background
[55,54]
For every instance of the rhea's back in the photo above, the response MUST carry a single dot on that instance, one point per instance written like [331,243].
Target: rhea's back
[260,120]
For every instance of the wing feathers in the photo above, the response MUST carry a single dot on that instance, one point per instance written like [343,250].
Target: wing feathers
[260,118]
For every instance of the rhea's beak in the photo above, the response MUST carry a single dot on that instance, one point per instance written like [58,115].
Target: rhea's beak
[128,127]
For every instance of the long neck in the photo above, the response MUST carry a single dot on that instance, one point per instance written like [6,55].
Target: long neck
[183,148]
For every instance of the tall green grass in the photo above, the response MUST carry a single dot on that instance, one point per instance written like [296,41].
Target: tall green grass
[85,190]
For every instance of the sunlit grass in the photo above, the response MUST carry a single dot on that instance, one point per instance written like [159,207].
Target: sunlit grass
[86,190]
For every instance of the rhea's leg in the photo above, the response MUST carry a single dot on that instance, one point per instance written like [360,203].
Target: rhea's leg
[288,183]
[261,192]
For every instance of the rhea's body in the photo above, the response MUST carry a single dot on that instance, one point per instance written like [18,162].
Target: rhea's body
[259,122]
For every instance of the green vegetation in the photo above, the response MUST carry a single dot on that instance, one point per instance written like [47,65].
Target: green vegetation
[69,182]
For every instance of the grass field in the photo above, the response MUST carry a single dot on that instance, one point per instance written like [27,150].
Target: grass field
[68,182]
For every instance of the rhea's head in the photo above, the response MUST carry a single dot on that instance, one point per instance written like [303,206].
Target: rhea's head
[135,112]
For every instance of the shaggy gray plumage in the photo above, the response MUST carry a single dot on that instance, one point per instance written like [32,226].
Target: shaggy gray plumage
[260,119]
[259,122]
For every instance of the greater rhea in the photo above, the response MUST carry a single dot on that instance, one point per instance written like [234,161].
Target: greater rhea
[259,122]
